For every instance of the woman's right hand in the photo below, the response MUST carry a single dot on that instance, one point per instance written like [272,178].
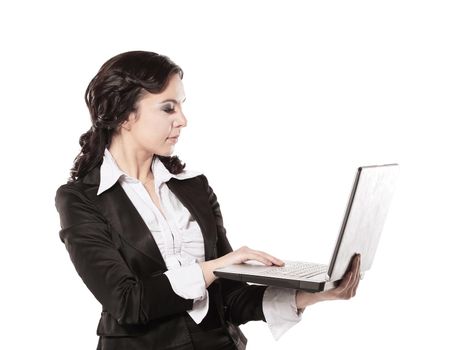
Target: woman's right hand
[238,256]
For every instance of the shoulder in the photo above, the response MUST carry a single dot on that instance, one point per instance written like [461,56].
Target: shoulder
[74,208]
[71,198]
[199,180]
[69,190]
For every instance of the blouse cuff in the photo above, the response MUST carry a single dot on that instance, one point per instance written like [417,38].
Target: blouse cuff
[200,308]
[280,310]
[188,282]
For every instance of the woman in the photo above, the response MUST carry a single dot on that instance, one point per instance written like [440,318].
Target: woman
[145,234]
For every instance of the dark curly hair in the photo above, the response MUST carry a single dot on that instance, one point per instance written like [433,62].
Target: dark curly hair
[112,95]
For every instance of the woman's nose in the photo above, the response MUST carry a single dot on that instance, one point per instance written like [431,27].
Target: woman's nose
[181,120]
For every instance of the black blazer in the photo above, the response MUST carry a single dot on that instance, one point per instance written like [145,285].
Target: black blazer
[117,258]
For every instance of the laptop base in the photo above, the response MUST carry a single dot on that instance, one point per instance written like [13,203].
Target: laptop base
[312,284]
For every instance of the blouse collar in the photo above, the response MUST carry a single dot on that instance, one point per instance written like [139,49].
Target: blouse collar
[110,173]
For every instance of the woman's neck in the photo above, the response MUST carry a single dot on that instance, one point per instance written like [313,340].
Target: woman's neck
[134,162]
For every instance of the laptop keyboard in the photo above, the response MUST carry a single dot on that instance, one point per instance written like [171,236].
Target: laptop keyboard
[296,269]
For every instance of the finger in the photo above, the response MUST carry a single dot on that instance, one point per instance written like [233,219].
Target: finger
[269,257]
[245,253]
[359,270]
[355,260]
[346,280]
[355,268]
[355,289]
[350,287]
[357,276]
[255,256]
[273,259]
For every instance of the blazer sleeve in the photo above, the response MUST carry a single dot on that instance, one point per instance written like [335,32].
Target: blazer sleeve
[126,297]
[242,302]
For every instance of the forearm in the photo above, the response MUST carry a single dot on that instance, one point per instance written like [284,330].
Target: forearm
[304,299]
[207,270]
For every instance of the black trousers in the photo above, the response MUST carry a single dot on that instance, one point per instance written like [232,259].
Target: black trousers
[214,339]
[202,339]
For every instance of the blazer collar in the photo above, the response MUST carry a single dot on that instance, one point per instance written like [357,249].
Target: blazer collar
[125,219]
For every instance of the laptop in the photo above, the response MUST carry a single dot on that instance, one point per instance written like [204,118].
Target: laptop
[360,231]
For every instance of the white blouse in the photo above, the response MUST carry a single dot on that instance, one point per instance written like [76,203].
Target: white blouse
[181,243]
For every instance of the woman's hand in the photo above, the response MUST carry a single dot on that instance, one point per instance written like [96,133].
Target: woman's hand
[244,254]
[346,289]
[236,257]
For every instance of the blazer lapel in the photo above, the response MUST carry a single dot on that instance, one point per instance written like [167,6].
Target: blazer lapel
[125,219]
[192,195]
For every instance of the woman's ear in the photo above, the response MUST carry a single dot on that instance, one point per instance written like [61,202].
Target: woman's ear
[127,124]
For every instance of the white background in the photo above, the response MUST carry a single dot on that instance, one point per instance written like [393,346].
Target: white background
[284,101]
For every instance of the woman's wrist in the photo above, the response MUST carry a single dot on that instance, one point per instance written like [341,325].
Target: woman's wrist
[304,299]
[207,270]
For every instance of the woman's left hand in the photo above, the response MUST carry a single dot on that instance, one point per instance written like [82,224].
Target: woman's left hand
[346,289]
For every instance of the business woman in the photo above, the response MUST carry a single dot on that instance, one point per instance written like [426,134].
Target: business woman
[145,234]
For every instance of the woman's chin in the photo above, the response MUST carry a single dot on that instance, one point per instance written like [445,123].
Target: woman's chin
[167,152]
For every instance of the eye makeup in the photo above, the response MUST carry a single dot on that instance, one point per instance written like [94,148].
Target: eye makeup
[168,109]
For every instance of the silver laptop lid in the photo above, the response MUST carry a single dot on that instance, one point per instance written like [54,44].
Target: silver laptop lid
[364,217]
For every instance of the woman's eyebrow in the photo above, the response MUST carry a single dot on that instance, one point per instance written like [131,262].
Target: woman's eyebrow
[172,100]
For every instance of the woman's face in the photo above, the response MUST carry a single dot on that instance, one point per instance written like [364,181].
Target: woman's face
[158,118]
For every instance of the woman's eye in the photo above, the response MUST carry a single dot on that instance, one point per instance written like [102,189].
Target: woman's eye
[168,110]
